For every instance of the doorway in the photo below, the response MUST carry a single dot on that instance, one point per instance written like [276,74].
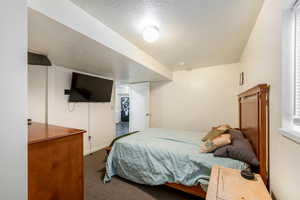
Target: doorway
[125,109]
[132,107]
[122,109]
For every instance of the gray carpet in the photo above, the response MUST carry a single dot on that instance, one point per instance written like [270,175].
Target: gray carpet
[121,189]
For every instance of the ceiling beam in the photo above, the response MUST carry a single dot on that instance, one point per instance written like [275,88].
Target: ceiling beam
[70,15]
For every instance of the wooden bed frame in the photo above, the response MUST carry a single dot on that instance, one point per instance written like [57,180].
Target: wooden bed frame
[254,123]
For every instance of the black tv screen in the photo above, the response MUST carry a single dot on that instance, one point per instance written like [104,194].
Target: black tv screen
[86,88]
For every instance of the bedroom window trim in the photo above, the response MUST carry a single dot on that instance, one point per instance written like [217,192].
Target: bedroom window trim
[296,65]
[291,73]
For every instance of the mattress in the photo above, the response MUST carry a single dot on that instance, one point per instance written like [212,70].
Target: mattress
[158,156]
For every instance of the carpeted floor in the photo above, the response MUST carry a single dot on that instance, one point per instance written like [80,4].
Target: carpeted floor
[121,189]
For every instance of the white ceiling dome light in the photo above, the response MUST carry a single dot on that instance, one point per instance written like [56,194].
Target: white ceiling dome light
[151,34]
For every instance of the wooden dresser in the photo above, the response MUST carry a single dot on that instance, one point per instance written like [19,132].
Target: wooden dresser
[55,163]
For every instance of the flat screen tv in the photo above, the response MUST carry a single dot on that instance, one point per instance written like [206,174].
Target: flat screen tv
[86,88]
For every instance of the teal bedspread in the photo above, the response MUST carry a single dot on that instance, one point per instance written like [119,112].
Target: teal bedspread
[157,156]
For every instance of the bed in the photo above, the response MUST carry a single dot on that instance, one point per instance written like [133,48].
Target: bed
[161,156]
[158,156]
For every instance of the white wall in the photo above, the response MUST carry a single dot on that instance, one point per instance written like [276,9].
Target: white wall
[197,99]
[37,93]
[261,62]
[13,90]
[60,112]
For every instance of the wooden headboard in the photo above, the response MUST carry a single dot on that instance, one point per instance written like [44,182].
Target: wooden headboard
[254,123]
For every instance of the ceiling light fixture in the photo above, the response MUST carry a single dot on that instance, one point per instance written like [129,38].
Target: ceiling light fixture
[151,34]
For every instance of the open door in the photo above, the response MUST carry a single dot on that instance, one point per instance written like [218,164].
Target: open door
[139,106]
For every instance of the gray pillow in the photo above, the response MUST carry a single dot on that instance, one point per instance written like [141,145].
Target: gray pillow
[235,134]
[240,149]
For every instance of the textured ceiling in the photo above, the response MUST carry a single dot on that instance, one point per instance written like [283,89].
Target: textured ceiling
[196,32]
